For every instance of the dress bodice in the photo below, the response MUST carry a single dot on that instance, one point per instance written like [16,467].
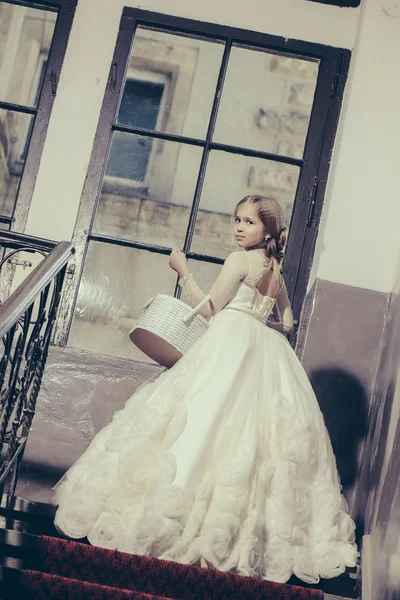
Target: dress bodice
[237,288]
[249,300]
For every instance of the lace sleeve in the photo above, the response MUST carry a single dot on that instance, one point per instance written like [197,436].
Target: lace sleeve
[281,318]
[232,274]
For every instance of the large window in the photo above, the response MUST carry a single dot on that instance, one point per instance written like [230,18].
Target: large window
[33,38]
[195,117]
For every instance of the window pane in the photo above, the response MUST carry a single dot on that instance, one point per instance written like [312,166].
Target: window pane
[116,284]
[15,129]
[229,178]
[148,190]
[170,83]
[266,101]
[140,104]
[25,39]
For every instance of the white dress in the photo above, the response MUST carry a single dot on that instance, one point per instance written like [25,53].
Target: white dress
[223,461]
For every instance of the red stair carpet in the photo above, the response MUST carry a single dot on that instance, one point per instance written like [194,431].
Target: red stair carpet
[83,571]
[42,586]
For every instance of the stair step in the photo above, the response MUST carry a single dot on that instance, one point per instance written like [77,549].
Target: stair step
[27,517]
[25,509]
[37,518]
[343,586]
[142,575]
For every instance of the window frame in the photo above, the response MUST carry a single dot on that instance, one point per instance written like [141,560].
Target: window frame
[314,166]
[65,10]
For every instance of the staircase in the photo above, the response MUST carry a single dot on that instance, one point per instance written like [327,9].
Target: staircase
[39,564]
[35,562]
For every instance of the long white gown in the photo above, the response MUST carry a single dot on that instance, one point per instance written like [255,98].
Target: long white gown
[223,461]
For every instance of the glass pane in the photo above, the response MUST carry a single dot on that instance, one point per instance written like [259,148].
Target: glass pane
[229,178]
[170,83]
[15,130]
[25,39]
[116,284]
[148,190]
[266,101]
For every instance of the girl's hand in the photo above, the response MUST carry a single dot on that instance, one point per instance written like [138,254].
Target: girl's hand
[178,262]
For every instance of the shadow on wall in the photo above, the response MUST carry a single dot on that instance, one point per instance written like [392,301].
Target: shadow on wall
[344,404]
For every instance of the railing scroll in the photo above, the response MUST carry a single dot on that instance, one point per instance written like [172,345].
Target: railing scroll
[26,322]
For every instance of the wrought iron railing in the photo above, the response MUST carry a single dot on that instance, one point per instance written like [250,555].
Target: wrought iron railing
[26,322]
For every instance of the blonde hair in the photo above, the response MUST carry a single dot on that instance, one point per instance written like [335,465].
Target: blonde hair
[270,213]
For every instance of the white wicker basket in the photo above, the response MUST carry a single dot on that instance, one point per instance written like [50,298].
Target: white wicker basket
[173,323]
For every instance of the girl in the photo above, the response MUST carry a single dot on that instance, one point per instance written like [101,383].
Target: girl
[223,461]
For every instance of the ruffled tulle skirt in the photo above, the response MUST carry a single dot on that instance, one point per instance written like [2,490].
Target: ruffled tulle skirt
[223,461]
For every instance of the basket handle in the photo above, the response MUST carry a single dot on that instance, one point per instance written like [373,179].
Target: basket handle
[196,309]
[146,306]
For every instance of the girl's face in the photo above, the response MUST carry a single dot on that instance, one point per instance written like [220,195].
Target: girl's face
[249,230]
